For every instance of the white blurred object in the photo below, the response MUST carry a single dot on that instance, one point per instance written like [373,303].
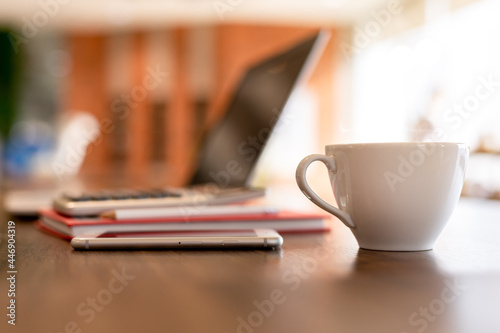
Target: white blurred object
[483,172]
[77,132]
[27,202]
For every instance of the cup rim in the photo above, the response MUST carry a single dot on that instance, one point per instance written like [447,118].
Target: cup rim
[396,144]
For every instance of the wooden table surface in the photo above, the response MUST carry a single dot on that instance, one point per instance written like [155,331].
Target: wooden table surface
[315,283]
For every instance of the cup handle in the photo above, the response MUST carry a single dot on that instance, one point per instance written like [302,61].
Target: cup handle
[300,176]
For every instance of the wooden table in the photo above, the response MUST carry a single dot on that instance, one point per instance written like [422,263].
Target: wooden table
[315,283]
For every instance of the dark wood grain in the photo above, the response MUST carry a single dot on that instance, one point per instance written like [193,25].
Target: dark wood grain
[320,283]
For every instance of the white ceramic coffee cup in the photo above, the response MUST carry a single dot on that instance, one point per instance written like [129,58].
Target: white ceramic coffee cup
[393,196]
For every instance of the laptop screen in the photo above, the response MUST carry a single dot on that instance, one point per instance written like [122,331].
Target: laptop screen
[231,150]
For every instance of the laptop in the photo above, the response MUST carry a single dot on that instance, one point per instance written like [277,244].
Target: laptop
[230,151]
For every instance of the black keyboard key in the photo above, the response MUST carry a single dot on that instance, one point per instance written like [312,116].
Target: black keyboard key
[158,193]
[101,196]
[121,195]
[141,195]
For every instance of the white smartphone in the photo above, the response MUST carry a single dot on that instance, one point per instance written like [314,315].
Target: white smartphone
[255,238]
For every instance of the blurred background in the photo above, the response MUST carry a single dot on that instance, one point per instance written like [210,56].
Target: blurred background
[123,89]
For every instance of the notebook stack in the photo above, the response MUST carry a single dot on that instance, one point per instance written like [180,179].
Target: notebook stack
[230,217]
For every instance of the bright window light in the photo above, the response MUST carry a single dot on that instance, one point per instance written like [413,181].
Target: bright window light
[440,82]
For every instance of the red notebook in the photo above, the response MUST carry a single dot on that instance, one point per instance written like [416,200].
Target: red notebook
[282,221]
